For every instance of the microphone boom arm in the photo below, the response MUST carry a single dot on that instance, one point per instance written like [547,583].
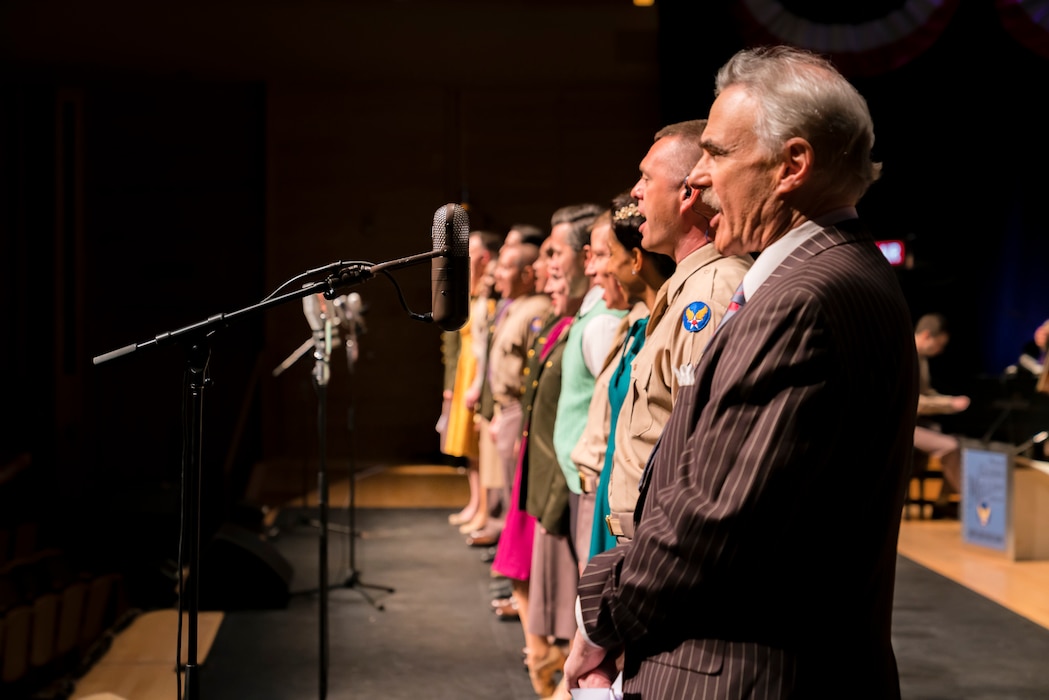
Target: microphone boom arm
[349,276]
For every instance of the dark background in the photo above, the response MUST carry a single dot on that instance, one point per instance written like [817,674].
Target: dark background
[160,165]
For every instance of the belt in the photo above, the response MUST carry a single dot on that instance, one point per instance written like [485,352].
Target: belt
[620,525]
[588,482]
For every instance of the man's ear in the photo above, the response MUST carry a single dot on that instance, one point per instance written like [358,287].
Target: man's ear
[689,197]
[797,163]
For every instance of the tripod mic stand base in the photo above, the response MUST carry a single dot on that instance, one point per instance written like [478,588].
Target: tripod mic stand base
[353,580]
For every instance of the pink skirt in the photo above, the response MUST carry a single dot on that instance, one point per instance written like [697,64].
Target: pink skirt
[513,554]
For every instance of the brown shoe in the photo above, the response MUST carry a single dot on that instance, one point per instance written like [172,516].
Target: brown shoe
[479,538]
[541,671]
[507,612]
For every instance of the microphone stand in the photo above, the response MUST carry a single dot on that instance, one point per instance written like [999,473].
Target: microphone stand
[195,338]
[321,374]
[353,579]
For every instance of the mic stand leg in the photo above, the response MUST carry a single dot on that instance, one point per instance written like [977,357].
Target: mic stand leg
[322,507]
[320,383]
[353,579]
[195,381]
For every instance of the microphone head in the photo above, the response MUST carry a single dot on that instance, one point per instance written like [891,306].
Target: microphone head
[313,307]
[353,303]
[349,310]
[451,271]
[451,231]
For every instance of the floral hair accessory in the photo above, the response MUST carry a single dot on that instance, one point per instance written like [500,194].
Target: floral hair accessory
[627,212]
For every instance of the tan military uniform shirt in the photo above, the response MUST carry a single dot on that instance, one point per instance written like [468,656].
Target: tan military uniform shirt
[512,336]
[687,309]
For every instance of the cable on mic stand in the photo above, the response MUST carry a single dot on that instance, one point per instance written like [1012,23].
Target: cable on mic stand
[358,272]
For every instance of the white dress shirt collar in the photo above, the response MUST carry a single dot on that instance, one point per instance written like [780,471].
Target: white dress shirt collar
[777,252]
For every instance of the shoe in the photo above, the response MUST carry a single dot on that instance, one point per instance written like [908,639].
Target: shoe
[460,518]
[475,523]
[542,671]
[501,588]
[488,555]
[480,538]
[508,612]
[500,602]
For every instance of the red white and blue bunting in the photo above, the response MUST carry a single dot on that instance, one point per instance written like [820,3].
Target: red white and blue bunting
[889,35]
[1028,22]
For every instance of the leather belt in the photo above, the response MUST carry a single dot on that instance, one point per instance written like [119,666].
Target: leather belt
[588,482]
[620,525]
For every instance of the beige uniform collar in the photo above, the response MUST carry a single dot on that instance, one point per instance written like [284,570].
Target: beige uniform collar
[692,262]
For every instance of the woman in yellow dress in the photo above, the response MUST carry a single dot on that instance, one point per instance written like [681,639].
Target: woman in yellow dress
[461,437]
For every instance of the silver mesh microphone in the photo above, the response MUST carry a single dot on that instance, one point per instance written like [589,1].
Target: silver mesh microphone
[450,273]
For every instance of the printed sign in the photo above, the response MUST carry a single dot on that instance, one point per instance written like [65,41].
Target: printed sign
[985,498]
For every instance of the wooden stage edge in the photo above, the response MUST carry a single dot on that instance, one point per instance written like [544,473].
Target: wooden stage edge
[1019,586]
[141,662]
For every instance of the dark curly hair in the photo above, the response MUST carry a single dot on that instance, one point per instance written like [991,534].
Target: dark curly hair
[626,222]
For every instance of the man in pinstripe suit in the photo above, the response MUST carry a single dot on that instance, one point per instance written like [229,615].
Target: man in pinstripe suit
[764,555]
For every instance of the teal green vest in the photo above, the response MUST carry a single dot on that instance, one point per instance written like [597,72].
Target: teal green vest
[577,388]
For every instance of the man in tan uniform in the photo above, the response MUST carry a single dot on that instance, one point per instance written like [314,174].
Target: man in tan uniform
[687,309]
[518,322]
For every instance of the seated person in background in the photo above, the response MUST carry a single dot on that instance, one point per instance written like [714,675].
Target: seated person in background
[1033,357]
[1041,337]
[930,338]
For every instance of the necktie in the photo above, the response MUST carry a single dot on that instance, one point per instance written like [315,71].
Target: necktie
[738,300]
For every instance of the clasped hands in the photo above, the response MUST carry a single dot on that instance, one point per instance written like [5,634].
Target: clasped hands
[589,666]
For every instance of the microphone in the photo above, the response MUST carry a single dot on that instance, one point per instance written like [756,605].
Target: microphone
[313,310]
[450,277]
[350,311]
[1036,439]
[314,307]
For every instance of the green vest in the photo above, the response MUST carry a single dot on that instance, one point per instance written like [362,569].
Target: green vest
[577,388]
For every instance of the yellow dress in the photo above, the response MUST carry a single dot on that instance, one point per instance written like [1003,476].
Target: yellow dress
[461,439]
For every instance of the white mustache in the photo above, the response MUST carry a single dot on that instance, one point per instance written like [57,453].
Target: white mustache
[710,199]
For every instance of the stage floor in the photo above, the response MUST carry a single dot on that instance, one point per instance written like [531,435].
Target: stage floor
[967,624]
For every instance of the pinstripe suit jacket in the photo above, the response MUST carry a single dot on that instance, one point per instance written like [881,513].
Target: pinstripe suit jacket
[764,557]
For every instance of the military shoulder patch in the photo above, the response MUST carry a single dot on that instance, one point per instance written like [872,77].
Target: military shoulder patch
[696,317]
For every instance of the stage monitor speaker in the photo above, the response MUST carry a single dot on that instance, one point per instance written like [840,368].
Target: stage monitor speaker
[239,571]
